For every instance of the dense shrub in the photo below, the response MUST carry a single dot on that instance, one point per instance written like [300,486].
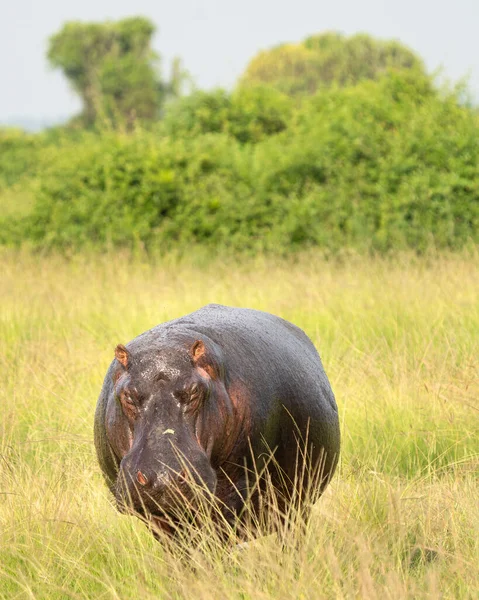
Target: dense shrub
[22,153]
[18,155]
[249,114]
[387,164]
[121,190]
[381,165]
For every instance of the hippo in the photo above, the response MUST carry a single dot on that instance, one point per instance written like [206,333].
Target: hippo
[205,401]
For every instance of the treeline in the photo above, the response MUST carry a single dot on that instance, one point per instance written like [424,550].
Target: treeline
[382,163]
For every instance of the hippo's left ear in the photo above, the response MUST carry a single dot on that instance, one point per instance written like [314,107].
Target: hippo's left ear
[197,350]
[205,359]
[122,355]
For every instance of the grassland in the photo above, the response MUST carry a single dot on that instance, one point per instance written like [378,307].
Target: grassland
[400,342]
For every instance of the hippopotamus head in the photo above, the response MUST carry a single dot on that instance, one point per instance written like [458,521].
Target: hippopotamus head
[168,424]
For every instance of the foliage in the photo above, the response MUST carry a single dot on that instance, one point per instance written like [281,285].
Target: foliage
[388,164]
[398,339]
[381,166]
[325,59]
[248,114]
[113,69]
[19,153]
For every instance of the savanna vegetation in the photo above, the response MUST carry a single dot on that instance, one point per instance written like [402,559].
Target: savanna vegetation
[399,341]
[382,162]
[337,186]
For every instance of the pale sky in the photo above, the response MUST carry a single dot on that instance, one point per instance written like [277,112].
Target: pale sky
[216,38]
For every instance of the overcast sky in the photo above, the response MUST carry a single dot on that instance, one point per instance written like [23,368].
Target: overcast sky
[216,38]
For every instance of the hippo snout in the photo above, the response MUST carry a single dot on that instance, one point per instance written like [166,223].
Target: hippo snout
[144,490]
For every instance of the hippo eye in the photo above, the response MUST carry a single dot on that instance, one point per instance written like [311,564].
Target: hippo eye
[198,392]
[191,397]
[197,395]
[129,406]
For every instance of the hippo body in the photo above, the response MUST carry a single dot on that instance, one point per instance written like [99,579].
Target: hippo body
[208,396]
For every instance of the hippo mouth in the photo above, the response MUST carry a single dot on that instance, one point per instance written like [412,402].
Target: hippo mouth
[164,524]
[159,521]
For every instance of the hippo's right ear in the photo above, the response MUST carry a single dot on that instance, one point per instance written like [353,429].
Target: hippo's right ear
[122,355]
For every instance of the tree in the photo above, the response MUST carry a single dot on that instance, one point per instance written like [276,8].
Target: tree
[113,68]
[326,59]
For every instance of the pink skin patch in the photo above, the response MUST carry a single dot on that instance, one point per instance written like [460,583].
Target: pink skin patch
[203,373]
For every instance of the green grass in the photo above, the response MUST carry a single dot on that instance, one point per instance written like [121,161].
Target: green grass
[399,340]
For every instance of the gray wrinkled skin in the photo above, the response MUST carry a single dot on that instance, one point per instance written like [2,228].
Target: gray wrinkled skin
[206,397]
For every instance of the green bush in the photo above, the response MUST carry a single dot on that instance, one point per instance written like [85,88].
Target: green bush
[249,114]
[380,166]
[19,154]
[120,190]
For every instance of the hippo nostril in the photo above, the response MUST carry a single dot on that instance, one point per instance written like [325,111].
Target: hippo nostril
[142,480]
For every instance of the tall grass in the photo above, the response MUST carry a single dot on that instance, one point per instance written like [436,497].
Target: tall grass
[400,342]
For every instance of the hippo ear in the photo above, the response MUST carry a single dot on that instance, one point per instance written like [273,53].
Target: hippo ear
[197,350]
[122,355]
[205,360]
